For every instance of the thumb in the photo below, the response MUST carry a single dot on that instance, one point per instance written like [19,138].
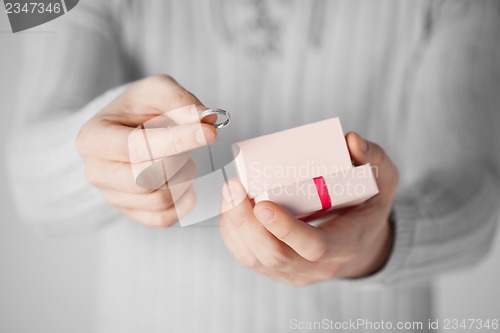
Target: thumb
[363,151]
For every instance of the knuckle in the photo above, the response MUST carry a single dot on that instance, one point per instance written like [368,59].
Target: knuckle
[301,281]
[90,176]
[136,106]
[122,150]
[136,189]
[176,145]
[183,95]
[355,249]
[162,79]
[137,146]
[160,200]
[319,252]
[184,205]
[162,220]
[380,156]
[329,273]
[275,261]
[190,198]
[238,221]
[81,141]
[249,260]
[224,222]
[224,229]
[286,233]
[191,169]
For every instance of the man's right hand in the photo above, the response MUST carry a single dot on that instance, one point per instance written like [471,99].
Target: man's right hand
[110,149]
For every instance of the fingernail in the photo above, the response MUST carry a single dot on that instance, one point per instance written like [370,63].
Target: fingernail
[265,215]
[204,135]
[364,145]
[233,193]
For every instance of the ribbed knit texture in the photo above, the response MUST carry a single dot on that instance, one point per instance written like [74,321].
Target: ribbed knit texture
[420,78]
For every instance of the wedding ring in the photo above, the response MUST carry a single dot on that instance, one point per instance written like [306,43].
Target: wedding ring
[218,112]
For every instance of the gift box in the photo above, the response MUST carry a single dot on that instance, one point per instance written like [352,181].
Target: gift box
[305,169]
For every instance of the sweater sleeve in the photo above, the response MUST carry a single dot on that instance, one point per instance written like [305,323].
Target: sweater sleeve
[446,211]
[67,63]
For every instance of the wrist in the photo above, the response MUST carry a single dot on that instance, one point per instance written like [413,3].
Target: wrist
[377,254]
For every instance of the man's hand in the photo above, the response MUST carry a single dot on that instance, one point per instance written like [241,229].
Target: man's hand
[353,244]
[104,143]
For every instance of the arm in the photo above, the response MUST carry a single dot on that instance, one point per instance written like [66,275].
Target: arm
[447,208]
[71,61]
[71,161]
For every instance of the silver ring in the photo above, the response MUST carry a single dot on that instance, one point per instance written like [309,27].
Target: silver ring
[218,112]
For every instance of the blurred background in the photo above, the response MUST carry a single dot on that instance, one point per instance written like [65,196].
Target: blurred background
[48,284]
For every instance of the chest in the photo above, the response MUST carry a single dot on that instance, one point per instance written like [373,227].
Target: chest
[278,64]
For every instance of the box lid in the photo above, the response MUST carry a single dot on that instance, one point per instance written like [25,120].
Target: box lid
[292,155]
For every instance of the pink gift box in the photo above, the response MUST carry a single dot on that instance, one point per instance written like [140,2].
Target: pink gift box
[304,169]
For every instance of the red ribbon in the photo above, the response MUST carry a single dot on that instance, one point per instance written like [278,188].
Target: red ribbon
[324,197]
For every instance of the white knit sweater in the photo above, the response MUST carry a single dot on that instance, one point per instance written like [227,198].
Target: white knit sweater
[420,78]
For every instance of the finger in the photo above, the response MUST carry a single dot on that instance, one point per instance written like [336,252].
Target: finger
[153,96]
[344,234]
[159,200]
[118,176]
[308,241]
[189,114]
[154,143]
[165,218]
[363,151]
[236,245]
[232,239]
[145,102]
[270,252]
[106,140]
